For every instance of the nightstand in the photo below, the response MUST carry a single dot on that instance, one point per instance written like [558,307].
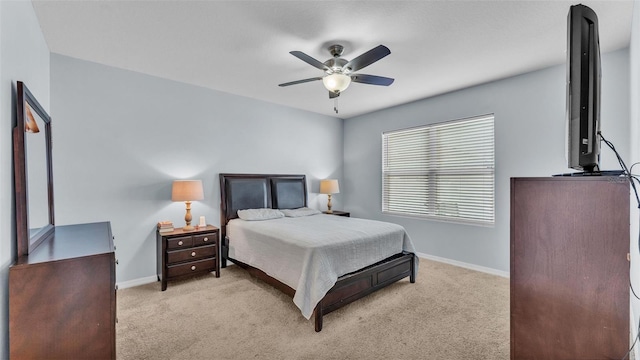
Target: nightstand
[187,253]
[338,213]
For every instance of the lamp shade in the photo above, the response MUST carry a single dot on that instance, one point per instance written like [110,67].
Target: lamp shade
[336,82]
[329,186]
[187,190]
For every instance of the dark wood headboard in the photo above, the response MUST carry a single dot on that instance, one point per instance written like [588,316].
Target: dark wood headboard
[254,191]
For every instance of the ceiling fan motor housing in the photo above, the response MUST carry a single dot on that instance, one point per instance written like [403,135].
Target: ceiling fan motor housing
[336,65]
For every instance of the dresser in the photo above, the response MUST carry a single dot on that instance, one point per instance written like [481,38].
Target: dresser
[569,268]
[62,296]
[187,253]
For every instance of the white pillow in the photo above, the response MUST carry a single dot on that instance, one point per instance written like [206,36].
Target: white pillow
[303,211]
[259,214]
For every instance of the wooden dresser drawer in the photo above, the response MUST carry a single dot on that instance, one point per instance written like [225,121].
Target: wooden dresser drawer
[195,253]
[192,267]
[204,239]
[180,242]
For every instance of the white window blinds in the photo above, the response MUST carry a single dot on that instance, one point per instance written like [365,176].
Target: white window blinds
[443,171]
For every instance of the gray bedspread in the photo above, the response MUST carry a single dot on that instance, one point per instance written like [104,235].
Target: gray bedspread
[310,253]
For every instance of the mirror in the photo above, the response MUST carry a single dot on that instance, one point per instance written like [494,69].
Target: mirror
[33,172]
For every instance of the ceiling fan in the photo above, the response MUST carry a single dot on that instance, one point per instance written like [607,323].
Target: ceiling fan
[340,72]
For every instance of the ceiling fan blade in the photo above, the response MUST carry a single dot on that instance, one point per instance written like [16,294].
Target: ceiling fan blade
[371,79]
[367,58]
[309,60]
[333,95]
[300,81]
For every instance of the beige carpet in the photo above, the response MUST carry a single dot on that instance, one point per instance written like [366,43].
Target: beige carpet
[449,313]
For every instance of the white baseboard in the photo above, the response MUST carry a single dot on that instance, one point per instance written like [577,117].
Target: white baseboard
[137,282]
[145,280]
[465,265]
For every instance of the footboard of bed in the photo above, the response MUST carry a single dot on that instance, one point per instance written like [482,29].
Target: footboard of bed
[350,287]
[363,282]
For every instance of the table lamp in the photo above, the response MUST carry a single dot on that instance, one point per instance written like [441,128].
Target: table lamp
[329,186]
[187,191]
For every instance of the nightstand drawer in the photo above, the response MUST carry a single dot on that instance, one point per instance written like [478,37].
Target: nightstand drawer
[205,239]
[191,267]
[179,243]
[194,253]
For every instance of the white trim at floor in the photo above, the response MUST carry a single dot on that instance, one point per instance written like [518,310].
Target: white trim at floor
[137,282]
[464,265]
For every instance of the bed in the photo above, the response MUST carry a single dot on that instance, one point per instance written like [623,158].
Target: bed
[318,260]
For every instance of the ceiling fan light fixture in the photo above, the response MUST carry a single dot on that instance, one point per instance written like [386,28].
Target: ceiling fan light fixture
[336,82]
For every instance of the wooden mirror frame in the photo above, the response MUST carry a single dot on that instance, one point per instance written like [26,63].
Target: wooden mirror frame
[26,242]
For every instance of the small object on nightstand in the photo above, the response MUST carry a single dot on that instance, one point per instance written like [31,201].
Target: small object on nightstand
[184,253]
[165,226]
[338,213]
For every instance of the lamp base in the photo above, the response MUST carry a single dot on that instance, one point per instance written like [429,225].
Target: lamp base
[188,217]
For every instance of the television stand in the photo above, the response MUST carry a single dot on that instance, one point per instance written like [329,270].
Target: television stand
[595,173]
[569,269]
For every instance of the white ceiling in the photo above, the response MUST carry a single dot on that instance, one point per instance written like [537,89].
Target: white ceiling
[242,47]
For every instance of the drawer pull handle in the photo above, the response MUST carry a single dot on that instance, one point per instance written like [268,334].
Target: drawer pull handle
[180,243]
[193,253]
[193,267]
[206,239]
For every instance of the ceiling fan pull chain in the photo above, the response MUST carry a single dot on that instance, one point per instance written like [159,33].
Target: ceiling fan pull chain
[335,105]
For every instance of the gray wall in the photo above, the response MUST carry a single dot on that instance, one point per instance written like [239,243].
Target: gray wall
[24,56]
[120,138]
[634,134]
[530,141]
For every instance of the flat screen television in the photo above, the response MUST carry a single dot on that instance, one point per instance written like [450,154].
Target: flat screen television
[583,90]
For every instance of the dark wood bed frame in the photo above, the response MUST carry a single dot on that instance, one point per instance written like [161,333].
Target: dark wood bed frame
[252,191]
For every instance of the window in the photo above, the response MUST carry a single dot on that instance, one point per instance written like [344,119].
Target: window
[442,171]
